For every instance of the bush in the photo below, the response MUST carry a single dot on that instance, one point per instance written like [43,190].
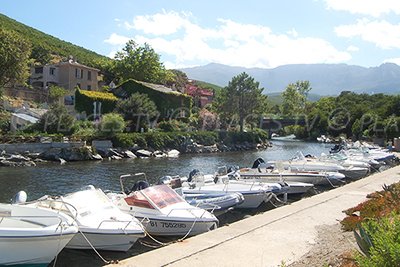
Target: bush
[56,120]
[173,126]
[384,237]
[111,124]
[83,129]
[127,140]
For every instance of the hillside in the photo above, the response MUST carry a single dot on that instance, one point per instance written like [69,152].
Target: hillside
[325,79]
[44,44]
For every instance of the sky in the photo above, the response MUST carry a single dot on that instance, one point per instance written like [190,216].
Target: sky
[246,33]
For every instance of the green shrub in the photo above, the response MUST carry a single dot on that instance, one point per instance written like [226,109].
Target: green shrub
[83,129]
[384,235]
[173,126]
[126,140]
[204,137]
[111,124]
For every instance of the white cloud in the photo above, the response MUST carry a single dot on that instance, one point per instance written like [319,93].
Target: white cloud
[365,7]
[381,33]
[353,48]
[164,23]
[116,39]
[185,43]
[392,60]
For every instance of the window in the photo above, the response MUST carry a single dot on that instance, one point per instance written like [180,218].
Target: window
[38,70]
[89,75]
[89,87]
[76,73]
[52,71]
[81,74]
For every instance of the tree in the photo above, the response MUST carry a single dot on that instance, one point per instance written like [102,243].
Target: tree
[139,62]
[14,58]
[112,123]
[295,98]
[56,92]
[56,120]
[138,110]
[242,98]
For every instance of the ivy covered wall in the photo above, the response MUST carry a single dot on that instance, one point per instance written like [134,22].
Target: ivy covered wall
[168,102]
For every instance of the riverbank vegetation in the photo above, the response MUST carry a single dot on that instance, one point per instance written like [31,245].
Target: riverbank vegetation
[376,225]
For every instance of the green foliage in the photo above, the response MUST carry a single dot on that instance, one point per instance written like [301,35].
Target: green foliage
[359,115]
[169,104]
[44,45]
[14,56]
[111,124]
[384,235]
[83,129]
[127,140]
[242,98]
[178,79]
[255,136]
[56,92]
[207,85]
[5,118]
[84,101]
[295,98]
[56,120]
[172,126]
[140,63]
[138,110]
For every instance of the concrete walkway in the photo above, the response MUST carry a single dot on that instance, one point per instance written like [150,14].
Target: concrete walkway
[280,235]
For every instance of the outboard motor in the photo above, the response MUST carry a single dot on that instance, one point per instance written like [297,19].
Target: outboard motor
[336,148]
[19,198]
[257,162]
[192,174]
[139,185]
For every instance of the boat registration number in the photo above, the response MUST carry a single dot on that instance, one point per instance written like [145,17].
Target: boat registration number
[167,224]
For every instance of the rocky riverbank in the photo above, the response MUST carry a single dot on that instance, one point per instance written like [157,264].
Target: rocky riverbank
[85,153]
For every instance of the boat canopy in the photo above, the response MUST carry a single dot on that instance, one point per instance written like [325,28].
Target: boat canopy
[158,196]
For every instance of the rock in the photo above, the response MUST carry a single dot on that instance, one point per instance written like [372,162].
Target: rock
[210,149]
[173,153]
[159,154]
[115,157]
[97,157]
[51,154]
[143,153]
[18,158]
[7,163]
[129,154]
[113,152]
[62,161]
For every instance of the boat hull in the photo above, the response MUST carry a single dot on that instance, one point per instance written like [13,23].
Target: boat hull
[104,241]
[173,227]
[32,249]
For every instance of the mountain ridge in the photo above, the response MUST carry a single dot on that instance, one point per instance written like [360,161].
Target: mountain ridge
[325,79]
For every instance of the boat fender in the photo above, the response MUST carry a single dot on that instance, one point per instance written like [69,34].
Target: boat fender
[19,198]
[139,185]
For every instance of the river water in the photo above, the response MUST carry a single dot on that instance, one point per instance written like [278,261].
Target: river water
[56,179]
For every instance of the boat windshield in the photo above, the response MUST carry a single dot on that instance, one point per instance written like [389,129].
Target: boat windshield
[162,195]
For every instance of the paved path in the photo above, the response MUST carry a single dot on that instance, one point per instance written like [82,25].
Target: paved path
[280,235]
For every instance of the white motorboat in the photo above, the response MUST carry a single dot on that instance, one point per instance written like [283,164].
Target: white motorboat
[30,235]
[276,171]
[217,204]
[101,224]
[254,193]
[163,211]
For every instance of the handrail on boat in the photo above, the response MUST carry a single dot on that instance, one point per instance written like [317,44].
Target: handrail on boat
[119,221]
[33,217]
